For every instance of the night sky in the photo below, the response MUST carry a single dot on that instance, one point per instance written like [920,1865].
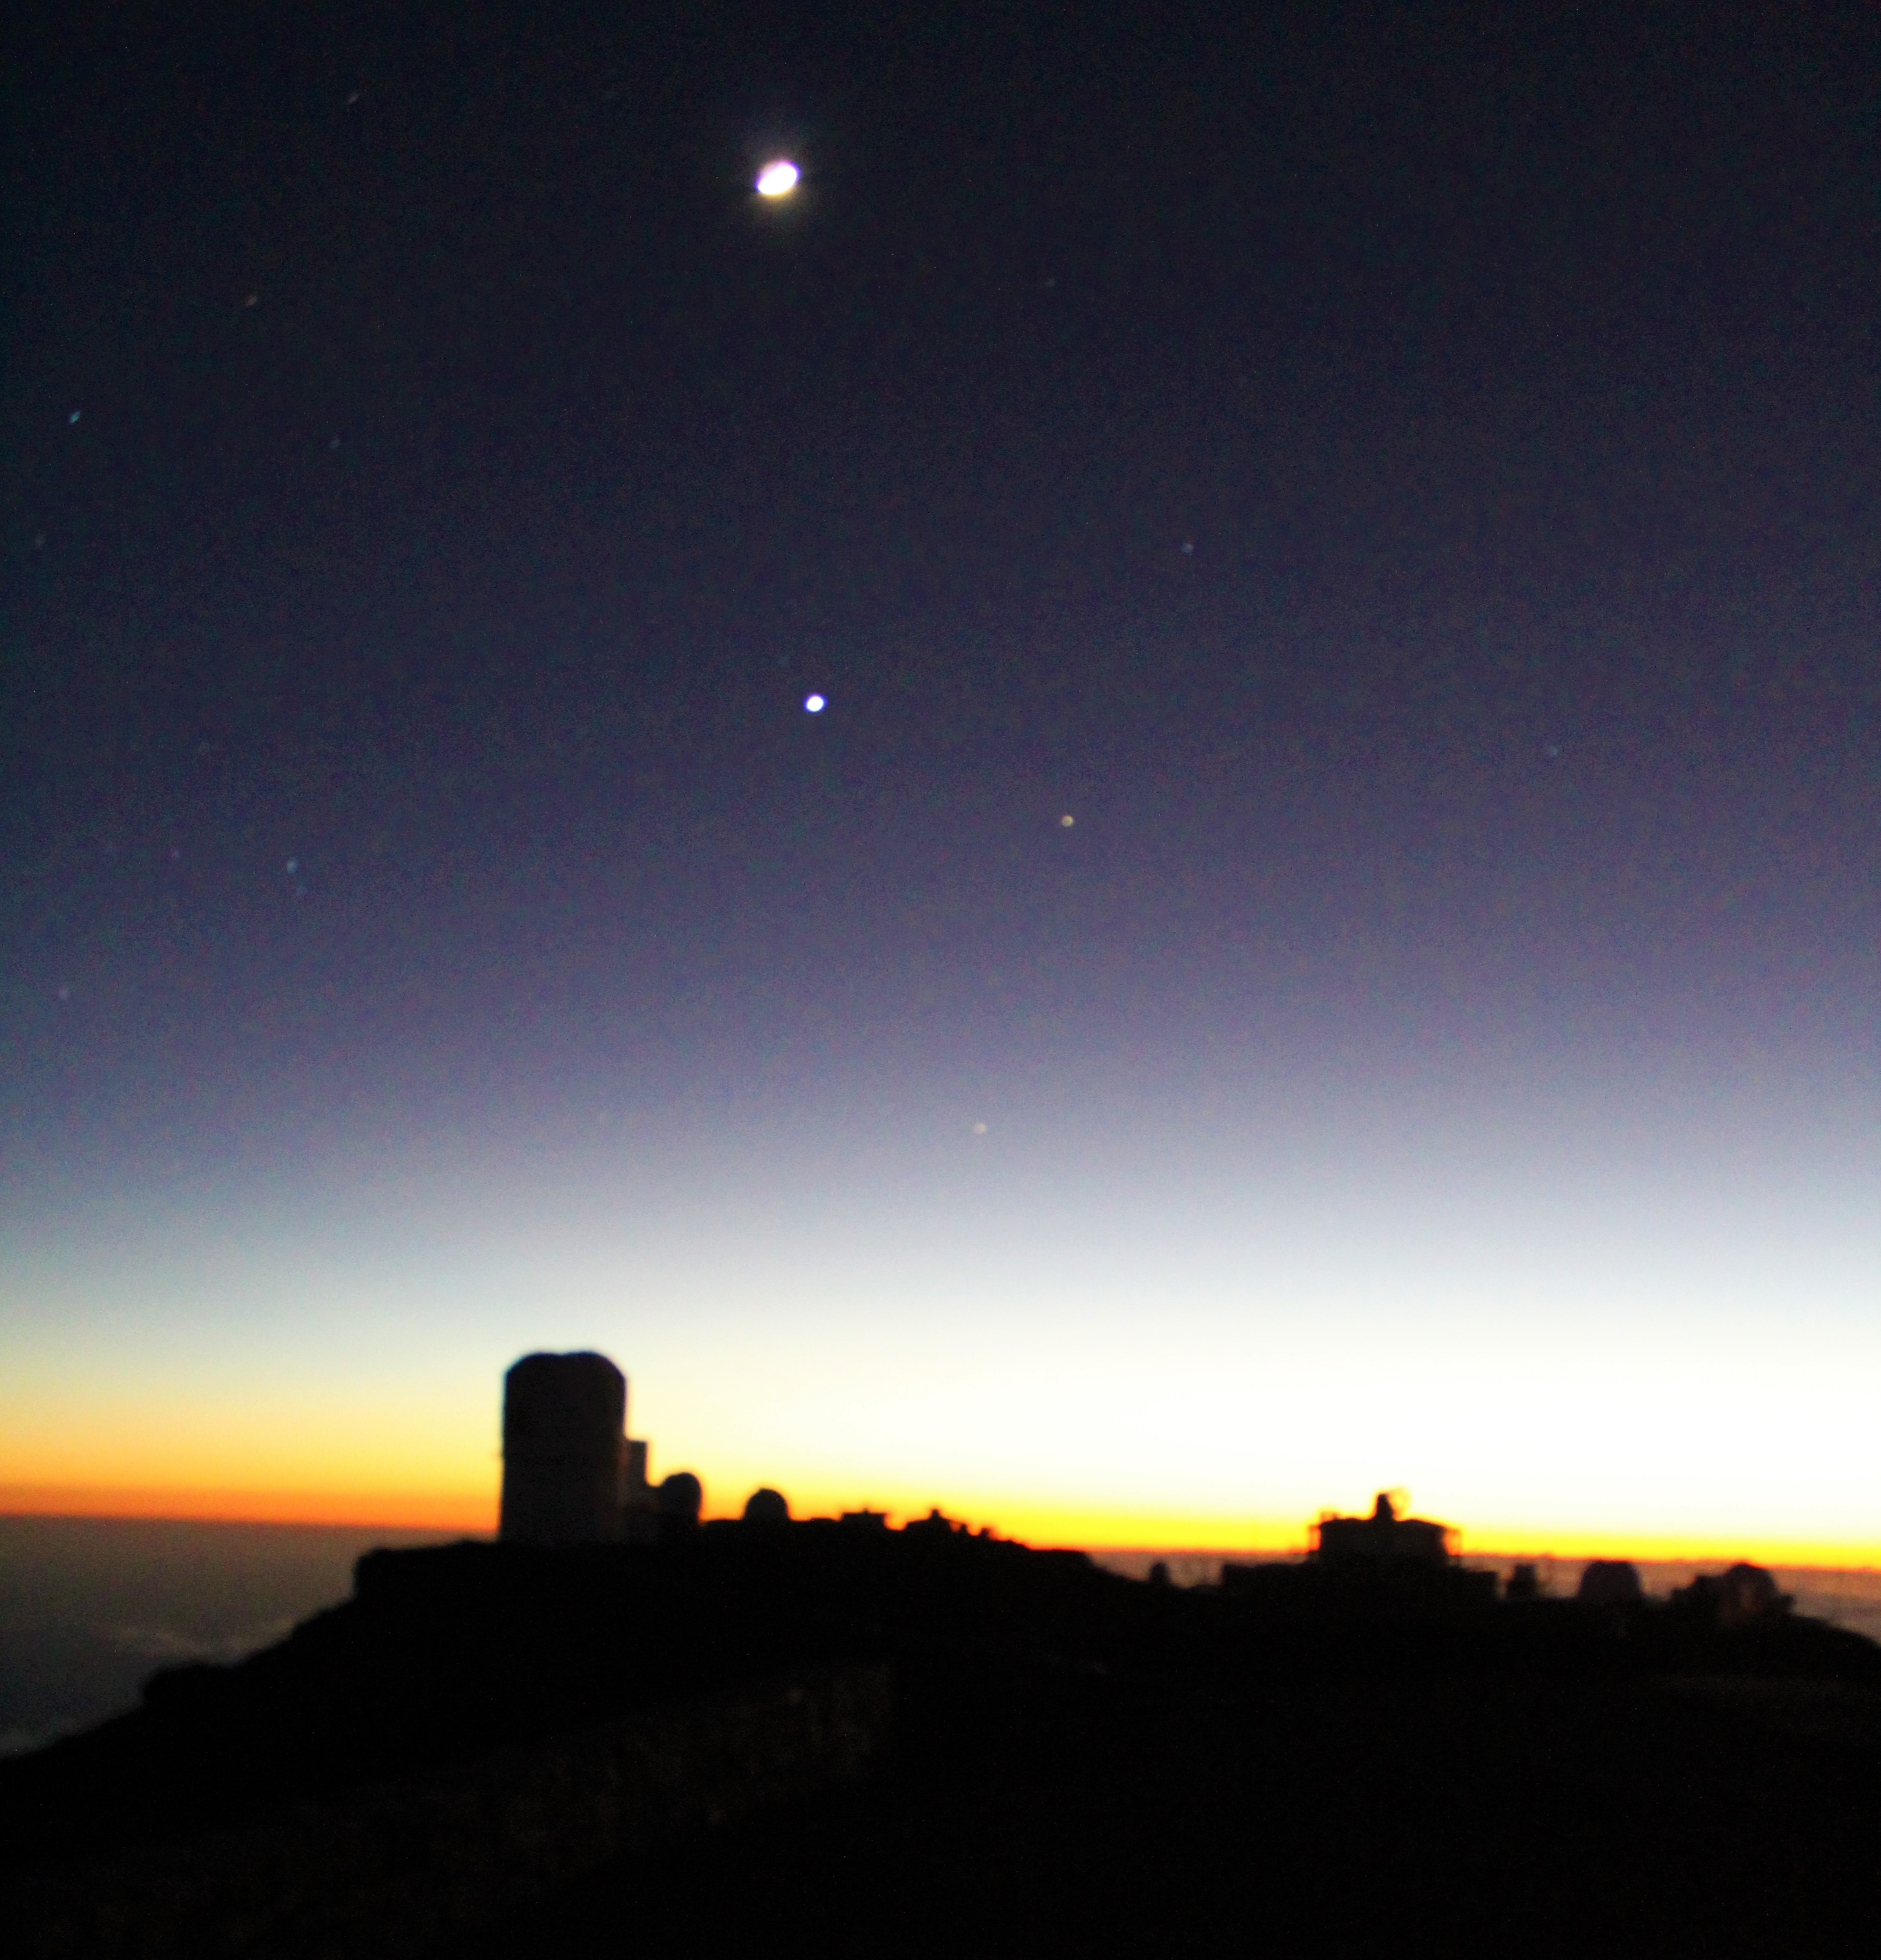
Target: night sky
[1326,936]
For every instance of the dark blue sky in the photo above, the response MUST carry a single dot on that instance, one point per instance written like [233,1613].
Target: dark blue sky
[1403,480]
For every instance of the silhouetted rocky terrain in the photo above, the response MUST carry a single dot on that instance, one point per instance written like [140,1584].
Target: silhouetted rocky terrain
[866,1740]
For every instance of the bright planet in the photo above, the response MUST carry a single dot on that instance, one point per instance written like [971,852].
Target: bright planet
[814,704]
[777,178]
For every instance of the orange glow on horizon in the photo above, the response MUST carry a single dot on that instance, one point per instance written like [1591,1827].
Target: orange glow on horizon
[474,1513]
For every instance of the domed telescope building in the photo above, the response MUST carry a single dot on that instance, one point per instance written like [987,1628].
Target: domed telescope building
[565,1455]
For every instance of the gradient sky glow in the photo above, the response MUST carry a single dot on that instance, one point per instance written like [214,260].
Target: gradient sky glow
[1641,1313]
[1405,484]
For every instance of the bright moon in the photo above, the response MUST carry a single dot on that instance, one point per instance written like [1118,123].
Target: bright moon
[813,704]
[777,179]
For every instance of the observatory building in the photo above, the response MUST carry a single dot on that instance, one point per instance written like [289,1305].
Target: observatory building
[571,1474]
[566,1459]
[1382,1540]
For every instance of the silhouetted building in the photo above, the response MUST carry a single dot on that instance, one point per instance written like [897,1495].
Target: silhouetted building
[767,1508]
[866,1520]
[565,1450]
[1743,1596]
[639,1508]
[1382,1564]
[1382,1539]
[681,1498]
[1610,1582]
[571,1475]
[1524,1583]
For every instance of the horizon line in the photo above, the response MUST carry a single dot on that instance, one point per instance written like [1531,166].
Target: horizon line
[70,1503]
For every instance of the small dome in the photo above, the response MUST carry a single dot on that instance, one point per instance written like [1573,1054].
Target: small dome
[681,1495]
[1610,1582]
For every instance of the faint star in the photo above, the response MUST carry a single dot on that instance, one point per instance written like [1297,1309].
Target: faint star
[74,416]
[979,1129]
[1065,822]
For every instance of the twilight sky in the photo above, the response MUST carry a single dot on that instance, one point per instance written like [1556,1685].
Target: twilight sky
[1401,482]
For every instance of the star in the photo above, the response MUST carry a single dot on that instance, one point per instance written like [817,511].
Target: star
[777,178]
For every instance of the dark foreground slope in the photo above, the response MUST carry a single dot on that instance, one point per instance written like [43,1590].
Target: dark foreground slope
[1077,1761]
[1517,1815]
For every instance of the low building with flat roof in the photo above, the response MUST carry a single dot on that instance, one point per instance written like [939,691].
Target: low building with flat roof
[1382,1539]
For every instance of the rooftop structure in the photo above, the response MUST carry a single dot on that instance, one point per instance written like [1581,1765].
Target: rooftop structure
[1382,1539]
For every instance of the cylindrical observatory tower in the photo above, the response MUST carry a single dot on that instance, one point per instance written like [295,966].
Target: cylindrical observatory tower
[564,1439]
